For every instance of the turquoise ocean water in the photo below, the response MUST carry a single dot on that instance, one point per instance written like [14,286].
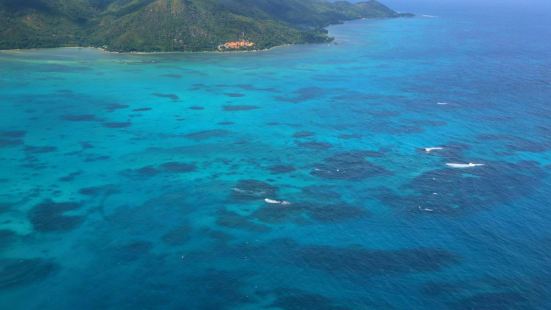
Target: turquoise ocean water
[293,178]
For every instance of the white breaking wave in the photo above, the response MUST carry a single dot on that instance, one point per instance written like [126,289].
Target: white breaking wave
[277,202]
[442,103]
[425,209]
[434,148]
[429,16]
[469,165]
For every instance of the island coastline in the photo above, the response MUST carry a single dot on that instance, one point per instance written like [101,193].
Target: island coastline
[331,40]
[175,36]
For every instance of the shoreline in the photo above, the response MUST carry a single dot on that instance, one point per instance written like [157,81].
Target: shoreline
[103,50]
[331,40]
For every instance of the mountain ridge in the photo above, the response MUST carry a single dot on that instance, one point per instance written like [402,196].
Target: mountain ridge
[174,25]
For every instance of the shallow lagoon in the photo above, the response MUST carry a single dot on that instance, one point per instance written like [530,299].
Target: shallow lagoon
[139,181]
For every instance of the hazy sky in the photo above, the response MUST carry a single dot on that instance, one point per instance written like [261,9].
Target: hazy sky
[454,7]
[404,5]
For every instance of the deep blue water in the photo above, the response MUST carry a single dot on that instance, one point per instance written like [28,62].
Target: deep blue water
[139,181]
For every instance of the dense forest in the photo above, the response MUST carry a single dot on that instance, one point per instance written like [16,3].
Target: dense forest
[174,25]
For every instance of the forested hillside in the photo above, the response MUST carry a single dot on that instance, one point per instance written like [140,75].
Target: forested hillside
[173,25]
